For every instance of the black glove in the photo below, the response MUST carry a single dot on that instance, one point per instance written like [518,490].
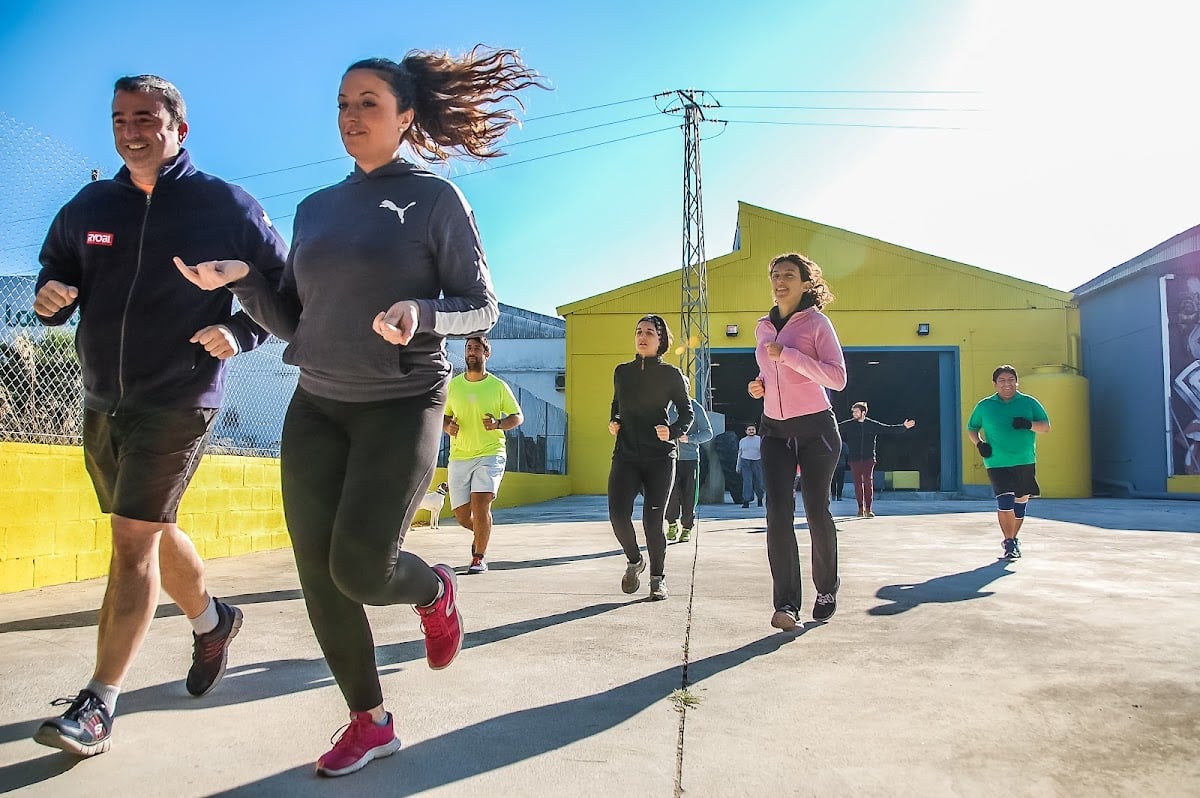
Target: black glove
[984,448]
[1022,423]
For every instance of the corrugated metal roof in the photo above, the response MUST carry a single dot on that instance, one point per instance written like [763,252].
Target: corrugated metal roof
[517,323]
[1185,243]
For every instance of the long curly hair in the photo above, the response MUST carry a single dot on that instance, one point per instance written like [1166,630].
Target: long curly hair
[810,271]
[454,99]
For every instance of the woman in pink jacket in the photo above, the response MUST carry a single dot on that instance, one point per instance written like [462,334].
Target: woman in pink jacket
[799,357]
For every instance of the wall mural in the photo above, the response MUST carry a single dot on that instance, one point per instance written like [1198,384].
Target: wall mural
[1183,340]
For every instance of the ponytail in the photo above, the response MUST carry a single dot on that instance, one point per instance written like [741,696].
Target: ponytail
[454,99]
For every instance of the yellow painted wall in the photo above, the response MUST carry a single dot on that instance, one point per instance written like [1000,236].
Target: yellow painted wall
[883,291]
[1183,484]
[52,530]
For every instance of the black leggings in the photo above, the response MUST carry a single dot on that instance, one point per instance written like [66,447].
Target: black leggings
[353,474]
[815,448]
[682,504]
[654,480]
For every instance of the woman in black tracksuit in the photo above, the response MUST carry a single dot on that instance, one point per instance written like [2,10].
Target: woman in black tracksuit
[644,454]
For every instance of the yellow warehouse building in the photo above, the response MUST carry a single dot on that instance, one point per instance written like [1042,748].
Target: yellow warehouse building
[922,335]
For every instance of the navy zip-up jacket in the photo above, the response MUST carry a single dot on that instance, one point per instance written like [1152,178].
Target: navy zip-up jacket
[115,244]
[860,436]
[642,390]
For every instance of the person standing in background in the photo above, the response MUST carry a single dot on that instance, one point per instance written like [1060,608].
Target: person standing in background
[749,465]
[837,488]
[681,506]
[860,432]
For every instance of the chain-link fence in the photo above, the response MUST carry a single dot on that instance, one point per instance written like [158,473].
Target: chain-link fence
[41,388]
[538,446]
[41,394]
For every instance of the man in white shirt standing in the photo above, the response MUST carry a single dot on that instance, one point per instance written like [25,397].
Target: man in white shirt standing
[749,465]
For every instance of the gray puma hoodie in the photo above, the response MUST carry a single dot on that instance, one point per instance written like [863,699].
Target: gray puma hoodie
[374,239]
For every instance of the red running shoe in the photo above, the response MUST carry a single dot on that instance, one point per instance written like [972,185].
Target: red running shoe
[361,741]
[442,623]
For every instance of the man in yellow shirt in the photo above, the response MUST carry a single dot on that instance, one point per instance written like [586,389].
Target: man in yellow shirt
[479,408]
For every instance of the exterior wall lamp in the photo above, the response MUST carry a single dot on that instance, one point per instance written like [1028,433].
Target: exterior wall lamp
[923,328]
[731,330]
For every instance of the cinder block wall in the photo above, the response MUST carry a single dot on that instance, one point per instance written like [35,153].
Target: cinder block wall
[52,530]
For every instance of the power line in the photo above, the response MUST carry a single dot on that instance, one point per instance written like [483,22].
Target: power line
[289,168]
[499,166]
[841,91]
[636,118]
[841,108]
[564,152]
[589,108]
[524,121]
[833,124]
[323,161]
[579,130]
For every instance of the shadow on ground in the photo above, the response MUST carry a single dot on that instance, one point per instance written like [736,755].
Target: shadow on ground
[963,586]
[264,680]
[502,741]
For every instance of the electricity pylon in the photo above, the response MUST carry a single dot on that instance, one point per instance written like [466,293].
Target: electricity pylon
[695,360]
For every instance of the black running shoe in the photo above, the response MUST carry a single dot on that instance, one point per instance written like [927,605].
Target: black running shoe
[1010,549]
[1016,550]
[210,651]
[84,729]
[826,604]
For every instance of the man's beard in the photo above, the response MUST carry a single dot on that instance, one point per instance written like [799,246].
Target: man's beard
[475,365]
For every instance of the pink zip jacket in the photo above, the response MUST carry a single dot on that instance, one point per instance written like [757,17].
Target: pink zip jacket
[811,361]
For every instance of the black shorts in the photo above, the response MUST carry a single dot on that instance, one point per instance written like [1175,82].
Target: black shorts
[1018,480]
[141,462]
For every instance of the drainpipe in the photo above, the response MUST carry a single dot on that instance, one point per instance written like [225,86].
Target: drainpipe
[1166,359]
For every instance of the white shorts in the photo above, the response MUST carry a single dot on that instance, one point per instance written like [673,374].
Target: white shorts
[478,475]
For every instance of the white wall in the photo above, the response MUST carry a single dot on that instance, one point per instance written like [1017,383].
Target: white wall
[531,363]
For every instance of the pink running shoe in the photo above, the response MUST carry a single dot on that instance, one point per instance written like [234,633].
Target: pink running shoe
[442,623]
[360,742]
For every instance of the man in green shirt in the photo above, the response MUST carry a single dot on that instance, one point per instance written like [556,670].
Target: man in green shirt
[1009,421]
[479,408]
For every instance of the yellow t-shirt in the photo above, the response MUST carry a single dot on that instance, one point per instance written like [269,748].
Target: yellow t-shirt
[467,403]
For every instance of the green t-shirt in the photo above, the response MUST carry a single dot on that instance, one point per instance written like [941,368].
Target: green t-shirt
[467,403]
[1010,447]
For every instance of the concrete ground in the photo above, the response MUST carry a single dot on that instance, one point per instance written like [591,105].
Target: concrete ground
[1073,671]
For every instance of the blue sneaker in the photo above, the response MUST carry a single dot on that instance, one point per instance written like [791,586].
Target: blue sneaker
[85,729]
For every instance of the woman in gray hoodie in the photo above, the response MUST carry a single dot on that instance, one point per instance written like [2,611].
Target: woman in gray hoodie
[383,266]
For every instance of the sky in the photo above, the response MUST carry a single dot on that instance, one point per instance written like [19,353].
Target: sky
[1043,139]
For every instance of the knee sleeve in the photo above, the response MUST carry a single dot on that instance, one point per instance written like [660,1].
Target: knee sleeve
[1005,502]
[1019,509]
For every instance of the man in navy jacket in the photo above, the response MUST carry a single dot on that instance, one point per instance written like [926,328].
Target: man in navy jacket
[154,350]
